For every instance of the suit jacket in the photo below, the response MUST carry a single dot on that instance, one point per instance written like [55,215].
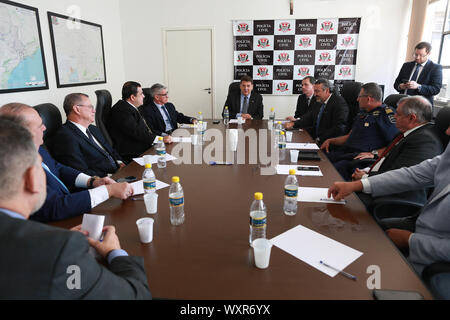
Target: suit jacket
[431,240]
[72,147]
[255,105]
[430,78]
[303,107]
[155,121]
[333,122]
[36,258]
[59,204]
[128,130]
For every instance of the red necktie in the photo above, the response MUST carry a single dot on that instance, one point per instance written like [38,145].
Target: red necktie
[388,149]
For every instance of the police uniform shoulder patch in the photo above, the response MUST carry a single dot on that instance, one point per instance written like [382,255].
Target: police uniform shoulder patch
[391,118]
[376,113]
[388,110]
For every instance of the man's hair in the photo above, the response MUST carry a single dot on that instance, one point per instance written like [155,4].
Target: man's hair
[247,79]
[374,90]
[157,87]
[72,99]
[324,82]
[312,80]
[417,105]
[425,45]
[13,111]
[130,88]
[17,154]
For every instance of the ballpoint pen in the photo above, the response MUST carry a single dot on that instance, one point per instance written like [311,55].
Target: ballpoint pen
[348,275]
[216,163]
[137,198]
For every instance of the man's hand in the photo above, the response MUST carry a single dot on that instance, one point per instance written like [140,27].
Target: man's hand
[399,237]
[110,242]
[288,125]
[290,118]
[358,174]
[122,165]
[412,85]
[78,229]
[326,145]
[339,190]
[167,139]
[194,121]
[121,190]
[364,155]
[246,116]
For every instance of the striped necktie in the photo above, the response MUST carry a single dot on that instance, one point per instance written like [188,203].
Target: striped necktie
[63,186]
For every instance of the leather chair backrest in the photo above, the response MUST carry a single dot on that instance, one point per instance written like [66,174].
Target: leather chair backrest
[102,111]
[51,118]
[234,86]
[350,92]
[148,97]
[441,124]
[392,100]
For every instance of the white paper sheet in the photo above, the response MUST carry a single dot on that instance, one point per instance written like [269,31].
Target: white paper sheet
[138,186]
[154,159]
[316,195]
[93,224]
[302,146]
[312,247]
[283,169]
[186,126]
[182,139]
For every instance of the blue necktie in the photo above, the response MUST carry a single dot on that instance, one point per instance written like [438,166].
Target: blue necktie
[319,117]
[168,119]
[245,105]
[56,178]
[414,78]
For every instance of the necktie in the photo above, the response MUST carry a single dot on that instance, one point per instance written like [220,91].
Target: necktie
[63,186]
[388,149]
[245,106]
[110,159]
[319,117]
[414,77]
[168,118]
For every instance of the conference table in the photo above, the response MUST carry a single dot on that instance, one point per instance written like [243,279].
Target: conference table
[209,256]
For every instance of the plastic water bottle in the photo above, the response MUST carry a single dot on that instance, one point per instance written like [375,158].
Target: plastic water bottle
[290,194]
[258,218]
[200,132]
[282,141]
[271,119]
[226,116]
[176,202]
[200,116]
[161,152]
[149,179]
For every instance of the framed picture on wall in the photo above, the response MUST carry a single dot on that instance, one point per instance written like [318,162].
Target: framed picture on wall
[22,60]
[78,51]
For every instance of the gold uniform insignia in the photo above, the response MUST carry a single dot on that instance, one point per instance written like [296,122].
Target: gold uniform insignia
[388,110]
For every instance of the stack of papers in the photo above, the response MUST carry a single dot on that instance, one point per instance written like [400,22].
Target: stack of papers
[319,195]
[186,126]
[154,159]
[138,186]
[284,170]
[182,139]
[302,146]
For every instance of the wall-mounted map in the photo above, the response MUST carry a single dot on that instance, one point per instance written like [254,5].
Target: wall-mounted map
[22,62]
[77,50]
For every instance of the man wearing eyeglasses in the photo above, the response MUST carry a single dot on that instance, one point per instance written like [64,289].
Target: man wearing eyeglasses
[161,115]
[420,77]
[79,144]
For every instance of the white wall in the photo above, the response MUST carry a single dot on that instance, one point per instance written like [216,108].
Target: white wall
[382,45]
[103,12]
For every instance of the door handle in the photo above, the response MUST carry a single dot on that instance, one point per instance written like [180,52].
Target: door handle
[208,89]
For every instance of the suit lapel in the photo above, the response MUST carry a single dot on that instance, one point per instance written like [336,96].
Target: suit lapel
[424,72]
[159,116]
[441,194]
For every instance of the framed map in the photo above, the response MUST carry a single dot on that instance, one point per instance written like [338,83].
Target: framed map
[22,62]
[77,51]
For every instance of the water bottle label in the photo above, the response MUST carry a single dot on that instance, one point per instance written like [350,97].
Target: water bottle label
[150,185]
[281,145]
[258,223]
[176,202]
[160,152]
[291,193]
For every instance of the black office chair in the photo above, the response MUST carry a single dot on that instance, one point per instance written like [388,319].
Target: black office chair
[350,92]
[441,123]
[437,278]
[51,118]
[392,100]
[148,97]
[102,111]
[234,86]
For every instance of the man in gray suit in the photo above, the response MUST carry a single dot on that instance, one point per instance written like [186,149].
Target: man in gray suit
[431,240]
[44,262]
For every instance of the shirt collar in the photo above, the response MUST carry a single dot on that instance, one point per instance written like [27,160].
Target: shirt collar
[411,130]
[326,101]
[242,95]
[79,126]
[12,214]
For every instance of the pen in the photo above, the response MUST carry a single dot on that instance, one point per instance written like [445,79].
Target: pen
[332,200]
[348,275]
[137,198]
[214,163]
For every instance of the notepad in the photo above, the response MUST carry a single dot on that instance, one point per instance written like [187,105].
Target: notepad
[312,247]
[316,195]
[182,139]
[283,169]
[186,126]
[154,159]
[138,186]
[302,146]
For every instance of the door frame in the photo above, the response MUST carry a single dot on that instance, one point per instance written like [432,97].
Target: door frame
[165,30]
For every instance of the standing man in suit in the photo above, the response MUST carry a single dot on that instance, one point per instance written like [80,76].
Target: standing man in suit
[129,131]
[420,77]
[38,261]
[306,101]
[245,103]
[327,120]
[60,202]
[80,145]
[430,242]
[161,115]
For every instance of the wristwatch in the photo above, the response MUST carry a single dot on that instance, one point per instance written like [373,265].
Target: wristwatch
[375,154]
[91,181]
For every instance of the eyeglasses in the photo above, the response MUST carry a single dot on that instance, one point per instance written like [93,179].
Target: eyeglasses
[84,105]
[415,55]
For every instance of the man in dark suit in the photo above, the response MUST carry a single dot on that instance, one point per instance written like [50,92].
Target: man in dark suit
[130,133]
[80,145]
[61,203]
[306,101]
[161,115]
[245,103]
[420,77]
[416,142]
[327,120]
[43,262]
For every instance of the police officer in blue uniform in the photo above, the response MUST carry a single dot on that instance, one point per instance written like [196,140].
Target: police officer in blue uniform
[373,129]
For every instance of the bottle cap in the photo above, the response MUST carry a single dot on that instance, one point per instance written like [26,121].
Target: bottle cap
[281,132]
[148,166]
[199,112]
[271,109]
[226,107]
[279,122]
[258,196]
[175,179]
[292,172]
[160,138]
